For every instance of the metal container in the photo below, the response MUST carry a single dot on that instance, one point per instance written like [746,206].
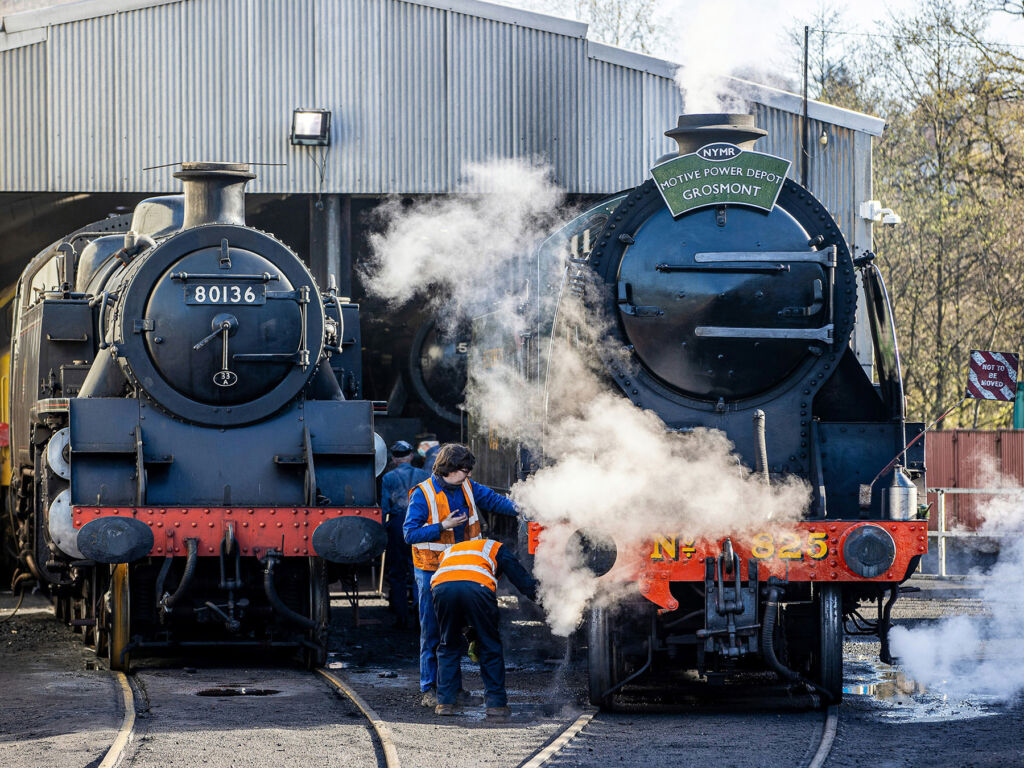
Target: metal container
[902,496]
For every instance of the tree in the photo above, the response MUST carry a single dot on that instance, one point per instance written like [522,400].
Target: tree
[949,162]
[834,73]
[624,23]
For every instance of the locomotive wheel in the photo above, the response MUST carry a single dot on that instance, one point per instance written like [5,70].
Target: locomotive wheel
[830,646]
[320,609]
[99,609]
[119,618]
[602,673]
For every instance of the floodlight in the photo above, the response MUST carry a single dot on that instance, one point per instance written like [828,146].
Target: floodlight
[311,127]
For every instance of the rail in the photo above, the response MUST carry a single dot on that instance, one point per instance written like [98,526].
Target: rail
[942,533]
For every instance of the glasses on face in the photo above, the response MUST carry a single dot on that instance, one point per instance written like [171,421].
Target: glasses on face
[467,470]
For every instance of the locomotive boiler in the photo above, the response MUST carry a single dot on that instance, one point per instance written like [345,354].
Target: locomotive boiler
[732,296]
[184,462]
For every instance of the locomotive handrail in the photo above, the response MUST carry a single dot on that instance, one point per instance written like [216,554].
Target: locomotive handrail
[266,277]
[826,256]
[103,299]
[941,533]
[720,332]
[769,268]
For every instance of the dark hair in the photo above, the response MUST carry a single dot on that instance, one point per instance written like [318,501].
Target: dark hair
[451,458]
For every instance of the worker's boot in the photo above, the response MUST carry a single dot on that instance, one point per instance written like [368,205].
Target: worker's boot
[429,698]
[447,710]
[498,714]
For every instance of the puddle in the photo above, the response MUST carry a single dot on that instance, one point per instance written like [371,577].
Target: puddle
[900,698]
[218,692]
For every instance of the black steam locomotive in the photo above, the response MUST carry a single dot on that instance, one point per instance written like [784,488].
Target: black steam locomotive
[732,294]
[183,458]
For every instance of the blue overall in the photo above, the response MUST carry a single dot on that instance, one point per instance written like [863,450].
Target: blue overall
[395,488]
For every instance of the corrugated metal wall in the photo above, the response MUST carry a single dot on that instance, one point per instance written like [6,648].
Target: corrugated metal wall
[23,121]
[831,170]
[279,55]
[416,92]
[347,44]
[966,458]
[613,127]
[84,121]
[482,97]
[152,118]
[663,103]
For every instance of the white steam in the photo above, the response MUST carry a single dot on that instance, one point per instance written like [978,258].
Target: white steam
[719,42]
[965,655]
[607,466]
[463,244]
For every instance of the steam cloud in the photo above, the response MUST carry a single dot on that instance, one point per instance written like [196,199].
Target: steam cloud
[964,655]
[608,466]
[720,42]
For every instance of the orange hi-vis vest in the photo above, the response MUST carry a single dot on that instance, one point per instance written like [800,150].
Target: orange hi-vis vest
[474,561]
[427,555]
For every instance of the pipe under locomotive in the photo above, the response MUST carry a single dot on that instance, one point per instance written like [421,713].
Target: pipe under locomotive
[736,314]
[184,460]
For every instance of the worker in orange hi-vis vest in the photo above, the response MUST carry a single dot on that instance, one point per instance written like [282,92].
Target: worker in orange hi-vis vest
[464,590]
[443,511]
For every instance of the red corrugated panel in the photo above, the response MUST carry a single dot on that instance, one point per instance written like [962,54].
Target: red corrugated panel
[1012,444]
[941,469]
[977,458]
[972,458]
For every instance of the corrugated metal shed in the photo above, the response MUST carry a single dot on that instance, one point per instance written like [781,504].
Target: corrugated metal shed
[417,89]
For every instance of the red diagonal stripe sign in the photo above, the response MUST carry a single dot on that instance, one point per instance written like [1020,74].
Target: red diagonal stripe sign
[992,375]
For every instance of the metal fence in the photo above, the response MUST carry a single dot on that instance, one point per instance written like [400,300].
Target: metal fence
[942,533]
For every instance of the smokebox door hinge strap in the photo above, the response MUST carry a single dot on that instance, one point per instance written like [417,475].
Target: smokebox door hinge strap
[625,298]
[140,469]
[307,454]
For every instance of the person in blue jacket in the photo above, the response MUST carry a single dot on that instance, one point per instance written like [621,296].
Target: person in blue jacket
[443,511]
[395,488]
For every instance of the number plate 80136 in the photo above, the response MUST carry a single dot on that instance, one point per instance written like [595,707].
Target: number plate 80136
[226,293]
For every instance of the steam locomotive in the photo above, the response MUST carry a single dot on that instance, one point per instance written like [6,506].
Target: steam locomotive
[732,295]
[184,462]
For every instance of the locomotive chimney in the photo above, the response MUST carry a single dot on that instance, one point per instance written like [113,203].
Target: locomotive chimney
[695,131]
[214,192]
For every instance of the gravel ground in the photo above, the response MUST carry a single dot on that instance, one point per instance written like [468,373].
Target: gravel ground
[724,740]
[917,728]
[59,707]
[257,718]
[381,662]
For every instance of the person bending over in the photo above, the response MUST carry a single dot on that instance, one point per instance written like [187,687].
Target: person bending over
[464,591]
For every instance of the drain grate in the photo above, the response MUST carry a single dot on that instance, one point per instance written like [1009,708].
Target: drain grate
[236,692]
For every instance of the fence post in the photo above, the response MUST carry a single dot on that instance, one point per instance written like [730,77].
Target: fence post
[941,503]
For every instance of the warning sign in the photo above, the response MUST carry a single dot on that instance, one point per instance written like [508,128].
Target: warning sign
[992,375]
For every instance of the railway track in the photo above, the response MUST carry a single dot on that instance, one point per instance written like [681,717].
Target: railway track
[261,730]
[596,739]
